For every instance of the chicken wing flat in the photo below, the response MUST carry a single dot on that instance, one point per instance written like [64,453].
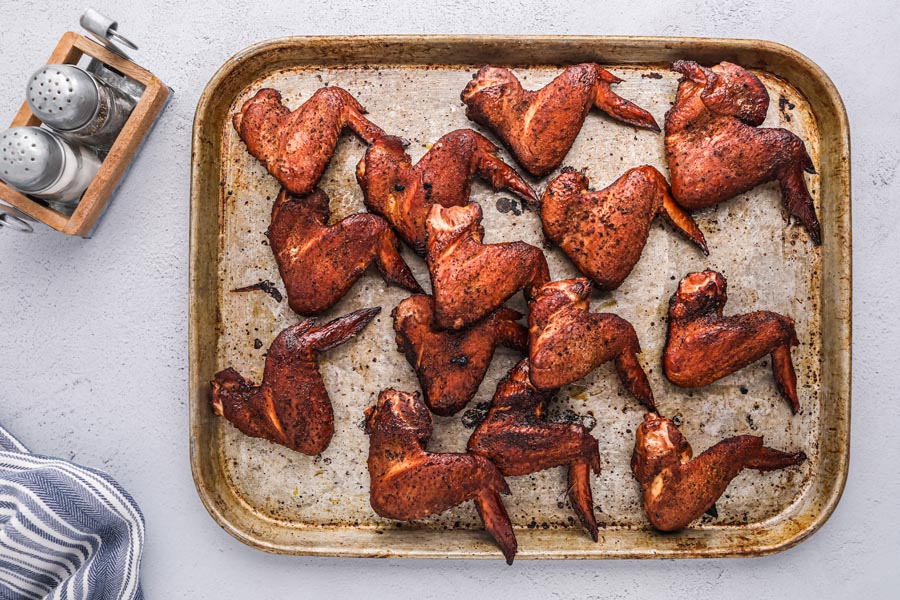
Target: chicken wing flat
[297,146]
[291,407]
[319,263]
[678,488]
[403,194]
[408,482]
[702,346]
[604,232]
[471,279]
[539,127]
[450,365]
[516,437]
[567,341]
[716,150]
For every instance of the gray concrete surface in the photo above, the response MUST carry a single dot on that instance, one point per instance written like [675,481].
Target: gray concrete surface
[93,334]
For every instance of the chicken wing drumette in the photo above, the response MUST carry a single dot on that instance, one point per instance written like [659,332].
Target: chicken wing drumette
[408,482]
[319,263]
[567,341]
[604,232]
[516,437]
[471,279]
[297,146]
[291,407]
[703,346]
[678,488]
[403,194]
[716,151]
[539,127]
[451,364]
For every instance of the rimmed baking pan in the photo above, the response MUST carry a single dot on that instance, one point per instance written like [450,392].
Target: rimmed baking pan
[280,501]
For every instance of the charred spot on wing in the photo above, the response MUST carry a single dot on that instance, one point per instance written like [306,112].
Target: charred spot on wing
[473,417]
[461,360]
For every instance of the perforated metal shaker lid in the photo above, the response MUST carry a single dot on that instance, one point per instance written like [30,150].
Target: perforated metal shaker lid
[31,159]
[64,97]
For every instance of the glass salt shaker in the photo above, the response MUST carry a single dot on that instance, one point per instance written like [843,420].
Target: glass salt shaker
[78,105]
[42,164]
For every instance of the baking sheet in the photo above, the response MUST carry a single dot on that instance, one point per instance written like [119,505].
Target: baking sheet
[769,265]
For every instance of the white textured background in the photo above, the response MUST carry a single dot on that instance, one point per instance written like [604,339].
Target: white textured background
[93,333]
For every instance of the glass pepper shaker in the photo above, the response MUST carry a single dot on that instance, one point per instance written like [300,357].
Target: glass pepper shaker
[78,105]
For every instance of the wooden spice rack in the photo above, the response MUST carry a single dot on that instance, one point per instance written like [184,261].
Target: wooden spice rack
[69,50]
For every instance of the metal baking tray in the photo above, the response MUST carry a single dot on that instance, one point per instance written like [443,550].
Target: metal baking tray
[280,501]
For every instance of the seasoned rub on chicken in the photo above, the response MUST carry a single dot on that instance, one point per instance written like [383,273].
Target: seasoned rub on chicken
[539,127]
[291,407]
[319,263]
[716,149]
[403,194]
[567,341]
[678,488]
[471,279]
[703,346]
[408,482]
[296,146]
[516,437]
[451,364]
[604,232]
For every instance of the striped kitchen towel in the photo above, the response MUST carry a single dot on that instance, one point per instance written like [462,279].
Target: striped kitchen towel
[66,531]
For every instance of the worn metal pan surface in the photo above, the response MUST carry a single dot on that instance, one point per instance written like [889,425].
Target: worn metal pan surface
[281,501]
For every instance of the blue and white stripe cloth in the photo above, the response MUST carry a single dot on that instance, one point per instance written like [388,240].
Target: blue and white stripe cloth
[66,532]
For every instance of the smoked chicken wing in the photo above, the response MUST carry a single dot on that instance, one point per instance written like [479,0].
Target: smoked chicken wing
[567,341]
[678,488]
[604,232]
[702,346]
[716,150]
[319,263]
[291,407]
[539,127]
[516,437]
[471,279]
[451,364]
[403,194]
[296,146]
[408,482]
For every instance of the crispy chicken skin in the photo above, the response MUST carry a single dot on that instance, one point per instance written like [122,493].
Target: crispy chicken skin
[539,127]
[403,194]
[678,488]
[291,407]
[604,232]
[516,437]
[296,146]
[471,279]
[408,482]
[702,346]
[716,151]
[567,341]
[319,263]
[450,365]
